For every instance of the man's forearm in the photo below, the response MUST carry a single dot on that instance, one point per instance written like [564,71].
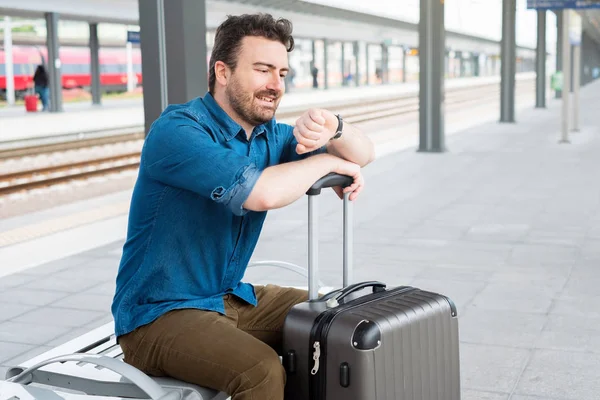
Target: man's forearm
[283,184]
[353,146]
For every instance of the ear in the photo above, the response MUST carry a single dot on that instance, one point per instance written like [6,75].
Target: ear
[221,73]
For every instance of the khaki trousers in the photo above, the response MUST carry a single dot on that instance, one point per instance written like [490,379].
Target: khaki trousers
[237,353]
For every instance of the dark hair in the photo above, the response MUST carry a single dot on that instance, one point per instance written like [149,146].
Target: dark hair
[229,35]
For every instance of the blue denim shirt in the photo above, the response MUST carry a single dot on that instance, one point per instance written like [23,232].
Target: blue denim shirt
[189,240]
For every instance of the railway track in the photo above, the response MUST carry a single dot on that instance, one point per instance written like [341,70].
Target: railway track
[354,113]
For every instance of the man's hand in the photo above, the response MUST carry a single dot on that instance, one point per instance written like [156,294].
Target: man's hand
[314,129]
[353,170]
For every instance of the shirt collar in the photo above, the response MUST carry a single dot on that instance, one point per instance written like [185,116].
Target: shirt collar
[228,126]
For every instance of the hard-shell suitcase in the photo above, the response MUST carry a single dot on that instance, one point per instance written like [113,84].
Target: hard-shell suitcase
[392,343]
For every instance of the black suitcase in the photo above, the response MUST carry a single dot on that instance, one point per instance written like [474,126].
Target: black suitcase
[388,343]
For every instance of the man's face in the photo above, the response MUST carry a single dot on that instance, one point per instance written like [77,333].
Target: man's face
[255,88]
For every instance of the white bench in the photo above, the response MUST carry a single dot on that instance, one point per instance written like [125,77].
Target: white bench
[93,364]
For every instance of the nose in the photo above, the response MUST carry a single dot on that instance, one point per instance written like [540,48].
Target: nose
[276,83]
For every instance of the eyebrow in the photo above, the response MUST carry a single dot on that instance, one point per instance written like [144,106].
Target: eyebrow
[271,66]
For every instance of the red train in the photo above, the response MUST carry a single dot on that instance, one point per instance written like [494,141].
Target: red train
[75,67]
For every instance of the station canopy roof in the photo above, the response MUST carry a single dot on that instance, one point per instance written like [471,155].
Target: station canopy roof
[310,20]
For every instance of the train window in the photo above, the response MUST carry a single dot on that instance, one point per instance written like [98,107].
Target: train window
[113,68]
[18,69]
[75,69]
[137,68]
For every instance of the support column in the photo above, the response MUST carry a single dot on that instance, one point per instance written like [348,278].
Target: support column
[540,61]
[54,72]
[404,54]
[461,64]
[384,64]
[154,59]
[566,68]
[576,85]
[356,49]
[367,64]
[95,64]
[431,77]
[187,69]
[8,62]
[325,64]
[508,61]
[173,44]
[131,79]
[559,54]
[343,67]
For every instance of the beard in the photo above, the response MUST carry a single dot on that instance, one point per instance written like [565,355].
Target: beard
[247,105]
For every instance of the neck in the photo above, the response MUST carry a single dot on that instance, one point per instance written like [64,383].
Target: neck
[221,100]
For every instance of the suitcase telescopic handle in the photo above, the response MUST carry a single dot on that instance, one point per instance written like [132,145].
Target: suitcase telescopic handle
[329,180]
[334,298]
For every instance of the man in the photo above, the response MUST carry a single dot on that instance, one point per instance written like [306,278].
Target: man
[210,169]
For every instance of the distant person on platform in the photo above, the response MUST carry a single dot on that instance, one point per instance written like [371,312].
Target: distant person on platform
[315,75]
[209,171]
[40,81]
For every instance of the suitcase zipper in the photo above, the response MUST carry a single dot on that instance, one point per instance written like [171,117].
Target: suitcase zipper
[316,356]
[319,331]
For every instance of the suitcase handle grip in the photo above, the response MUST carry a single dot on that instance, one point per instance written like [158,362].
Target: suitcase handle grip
[334,297]
[330,180]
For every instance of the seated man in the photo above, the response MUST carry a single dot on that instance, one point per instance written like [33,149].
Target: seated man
[210,169]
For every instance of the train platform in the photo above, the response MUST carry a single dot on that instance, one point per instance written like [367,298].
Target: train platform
[17,124]
[506,223]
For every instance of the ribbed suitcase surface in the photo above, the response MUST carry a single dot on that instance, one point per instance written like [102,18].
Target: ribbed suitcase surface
[391,344]
[399,344]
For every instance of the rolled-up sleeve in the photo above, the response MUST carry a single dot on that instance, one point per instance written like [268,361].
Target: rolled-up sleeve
[179,152]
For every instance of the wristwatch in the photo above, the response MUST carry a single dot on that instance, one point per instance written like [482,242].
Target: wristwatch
[340,127]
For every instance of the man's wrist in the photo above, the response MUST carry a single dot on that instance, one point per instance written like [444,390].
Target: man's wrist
[331,122]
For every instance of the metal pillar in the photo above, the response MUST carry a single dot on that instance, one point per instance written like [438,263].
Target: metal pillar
[461,64]
[431,76]
[566,68]
[154,59]
[54,74]
[384,63]
[404,64]
[187,69]
[367,64]
[343,67]
[173,43]
[576,85]
[8,62]
[325,64]
[356,49]
[314,52]
[540,61]
[313,63]
[508,59]
[559,55]
[95,64]
[131,80]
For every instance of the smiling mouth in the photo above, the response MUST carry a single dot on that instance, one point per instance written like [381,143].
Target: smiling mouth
[267,99]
